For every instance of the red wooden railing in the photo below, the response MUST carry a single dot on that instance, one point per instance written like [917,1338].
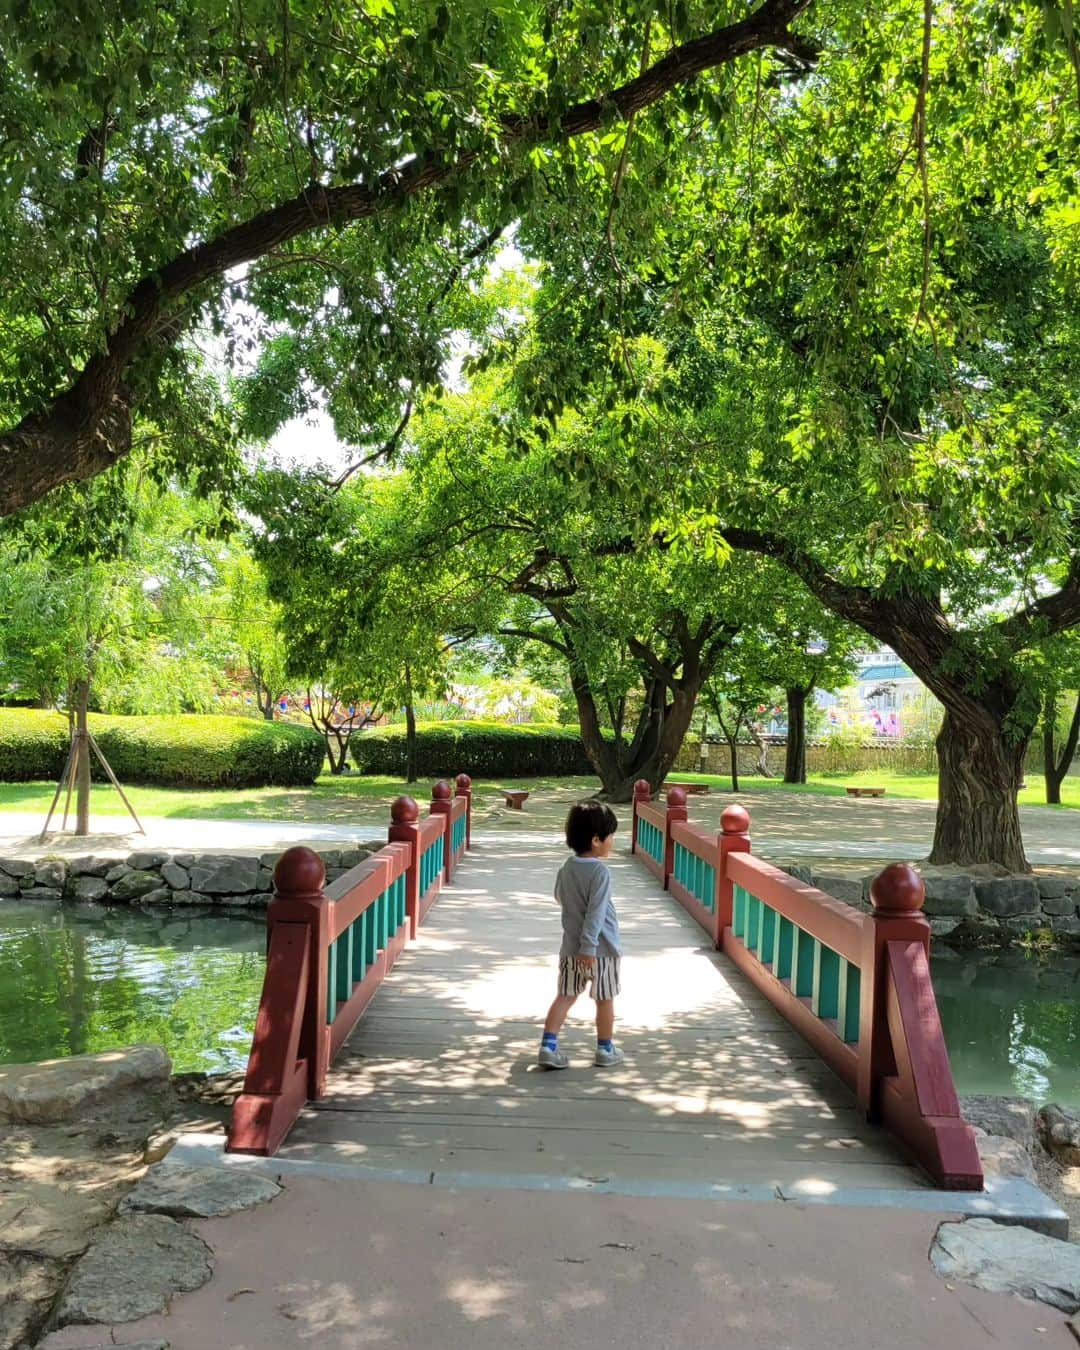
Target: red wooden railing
[856,986]
[328,950]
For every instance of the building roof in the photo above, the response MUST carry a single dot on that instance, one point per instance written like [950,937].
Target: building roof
[894,670]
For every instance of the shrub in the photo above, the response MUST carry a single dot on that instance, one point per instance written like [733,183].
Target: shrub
[183,751]
[33,744]
[481,749]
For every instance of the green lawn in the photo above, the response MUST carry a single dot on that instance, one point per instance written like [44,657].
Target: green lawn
[340,800]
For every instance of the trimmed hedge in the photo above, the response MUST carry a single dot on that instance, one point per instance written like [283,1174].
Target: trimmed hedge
[480,749]
[185,751]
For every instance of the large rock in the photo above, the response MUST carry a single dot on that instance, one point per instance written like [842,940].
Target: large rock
[160,895]
[1008,1259]
[1004,1157]
[89,866]
[8,885]
[44,893]
[224,876]
[1068,924]
[198,1192]
[88,888]
[1012,1117]
[28,1287]
[847,889]
[949,894]
[146,858]
[1053,886]
[58,1089]
[1063,904]
[172,874]
[51,873]
[16,867]
[353,857]
[1059,1131]
[134,885]
[1007,897]
[132,1270]
[117,871]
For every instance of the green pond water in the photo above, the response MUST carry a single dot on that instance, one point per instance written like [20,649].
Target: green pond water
[82,978]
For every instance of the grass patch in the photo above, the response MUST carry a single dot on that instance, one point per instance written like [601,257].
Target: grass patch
[340,801]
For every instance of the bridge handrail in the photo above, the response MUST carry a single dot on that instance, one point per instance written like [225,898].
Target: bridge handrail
[329,948]
[856,986]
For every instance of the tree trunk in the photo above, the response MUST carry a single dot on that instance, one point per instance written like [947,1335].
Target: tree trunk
[795,752]
[410,731]
[979,774]
[82,761]
[657,741]
[1055,768]
[733,751]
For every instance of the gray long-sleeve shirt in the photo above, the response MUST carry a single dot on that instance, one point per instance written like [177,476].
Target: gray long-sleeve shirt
[590,924]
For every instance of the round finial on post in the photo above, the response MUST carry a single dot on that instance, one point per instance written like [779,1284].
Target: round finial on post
[404,811]
[676,796]
[464,782]
[897,890]
[441,791]
[735,820]
[643,789]
[299,871]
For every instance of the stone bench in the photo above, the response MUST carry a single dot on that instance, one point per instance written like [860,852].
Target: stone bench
[865,792]
[515,799]
[691,789]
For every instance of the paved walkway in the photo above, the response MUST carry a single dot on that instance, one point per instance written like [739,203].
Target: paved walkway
[785,825]
[718,1189]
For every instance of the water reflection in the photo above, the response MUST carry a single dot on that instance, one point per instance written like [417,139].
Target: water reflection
[1012,1022]
[80,978]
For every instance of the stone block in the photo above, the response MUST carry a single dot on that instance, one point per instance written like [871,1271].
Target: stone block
[224,875]
[8,885]
[26,882]
[16,867]
[1009,1117]
[145,859]
[265,880]
[89,866]
[189,897]
[160,895]
[949,893]
[333,873]
[1053,886]
[350,857]
[49,893]
[58,1089]
[1068,924]
[197,1192]
[261,898]
[117,871]
[1009,1259]
[172,874]
[133,885]
[52,873]
[183,859]
[133,1269]
[943,927]
[88,888]
[1004,1157]
[1064,904]
[847,889]
[1005,897]
[269,859]
[1022,924]
[801,872]
[331,857]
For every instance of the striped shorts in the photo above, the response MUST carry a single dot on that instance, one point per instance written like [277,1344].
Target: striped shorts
[575,978]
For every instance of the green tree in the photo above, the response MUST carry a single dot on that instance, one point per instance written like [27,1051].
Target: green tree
[252,620]
[152,155]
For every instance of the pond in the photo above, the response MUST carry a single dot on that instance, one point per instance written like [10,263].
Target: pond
[80,978]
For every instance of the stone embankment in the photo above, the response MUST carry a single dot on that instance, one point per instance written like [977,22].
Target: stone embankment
[158,877]
[964,906]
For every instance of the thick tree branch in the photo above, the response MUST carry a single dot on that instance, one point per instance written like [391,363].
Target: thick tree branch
[89,425]
[531,636]
[1048,615]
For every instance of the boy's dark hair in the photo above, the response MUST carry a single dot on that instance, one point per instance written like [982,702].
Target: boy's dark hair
[588,821]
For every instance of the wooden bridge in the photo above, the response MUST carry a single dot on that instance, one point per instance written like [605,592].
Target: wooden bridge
[777,1041]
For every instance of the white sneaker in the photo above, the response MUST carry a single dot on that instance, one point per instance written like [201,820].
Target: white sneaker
[552,1059]
[607,1059]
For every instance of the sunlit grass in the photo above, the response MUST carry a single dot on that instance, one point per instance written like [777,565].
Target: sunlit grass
[352,798]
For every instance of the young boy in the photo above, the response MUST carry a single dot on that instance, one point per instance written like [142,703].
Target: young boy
[591,948]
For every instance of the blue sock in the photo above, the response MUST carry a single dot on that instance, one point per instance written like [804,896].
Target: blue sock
[549,1040]
[604,1045]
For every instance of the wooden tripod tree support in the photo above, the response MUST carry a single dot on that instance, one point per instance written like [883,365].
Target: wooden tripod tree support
[82,743]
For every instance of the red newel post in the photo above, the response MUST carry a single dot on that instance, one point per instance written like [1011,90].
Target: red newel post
[676,810]
[299,878]
[734,838]
[442,805]
[463,788]
[405,828]
[642,793]
[897,896]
